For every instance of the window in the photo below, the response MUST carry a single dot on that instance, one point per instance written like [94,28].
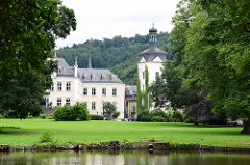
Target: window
[103,91]
[92,77]
[52,87]
[93,105]
[68,86]
[59,86]
[114,103]
[102,77]
[59,102]
[114,91]
[143,88]
[59,69]
[133,108]
[85,91]
[68,101]
[156,74]
[143,75]
[93,91]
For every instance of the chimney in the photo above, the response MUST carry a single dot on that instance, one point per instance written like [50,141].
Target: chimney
[76,67]
[90,62]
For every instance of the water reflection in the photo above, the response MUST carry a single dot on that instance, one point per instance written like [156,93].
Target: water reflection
[120,157]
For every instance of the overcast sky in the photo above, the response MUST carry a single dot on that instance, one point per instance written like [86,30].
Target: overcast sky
[107,18]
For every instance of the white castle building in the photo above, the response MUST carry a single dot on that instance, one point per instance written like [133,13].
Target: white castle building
[93,86]
[152,58]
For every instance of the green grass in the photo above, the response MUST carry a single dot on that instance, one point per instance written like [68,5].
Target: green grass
[96,131]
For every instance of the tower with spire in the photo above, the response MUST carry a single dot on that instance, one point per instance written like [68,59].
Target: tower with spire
[151,58]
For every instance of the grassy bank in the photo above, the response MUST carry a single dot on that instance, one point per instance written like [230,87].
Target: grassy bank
[30,130]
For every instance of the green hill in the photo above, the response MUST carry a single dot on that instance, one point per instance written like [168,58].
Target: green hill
[119,54]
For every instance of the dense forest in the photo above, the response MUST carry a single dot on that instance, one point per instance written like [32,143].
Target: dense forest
[119,54]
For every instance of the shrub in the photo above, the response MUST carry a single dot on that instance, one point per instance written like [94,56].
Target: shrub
[158,119]
[50,116]
[177,116]
[46,137]
[116,114]
[30,117]
[159,116]
[42,116]
[96,117]
[144,115]
[78,111]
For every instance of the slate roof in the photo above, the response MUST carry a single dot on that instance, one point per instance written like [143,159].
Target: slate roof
[97,75]
[150,54]
[87,75]
[130,90]
[64,68]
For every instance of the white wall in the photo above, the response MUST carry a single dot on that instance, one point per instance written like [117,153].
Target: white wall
[153,67]
[76,94]
[99,98]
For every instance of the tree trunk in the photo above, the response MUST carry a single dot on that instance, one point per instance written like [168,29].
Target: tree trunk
[109,116]
[246,125]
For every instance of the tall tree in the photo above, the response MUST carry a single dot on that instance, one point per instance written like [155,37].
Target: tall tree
[217,55]
[28,29]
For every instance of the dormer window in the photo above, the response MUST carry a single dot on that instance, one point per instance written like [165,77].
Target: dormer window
[59,69]
[84,76]
[92,77]
[102,77]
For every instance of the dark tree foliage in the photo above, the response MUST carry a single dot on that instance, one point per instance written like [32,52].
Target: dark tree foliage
[28,29]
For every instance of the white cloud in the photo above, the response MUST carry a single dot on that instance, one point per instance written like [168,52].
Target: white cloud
[99,19]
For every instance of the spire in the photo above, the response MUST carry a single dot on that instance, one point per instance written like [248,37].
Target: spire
[90,62]
[153,38]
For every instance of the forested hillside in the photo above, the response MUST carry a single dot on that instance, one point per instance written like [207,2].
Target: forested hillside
[119,54]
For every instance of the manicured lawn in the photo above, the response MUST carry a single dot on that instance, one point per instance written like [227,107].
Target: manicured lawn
[96,131]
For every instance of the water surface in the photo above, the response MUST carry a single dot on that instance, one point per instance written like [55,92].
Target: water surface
[120,157]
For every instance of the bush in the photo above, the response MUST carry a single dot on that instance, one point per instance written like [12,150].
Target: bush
[30,117]
[78,111]
[96,117]
[116,114]
[42,116]
[144,115]
[177,116]
[158,119]
[50,116]
[46,137]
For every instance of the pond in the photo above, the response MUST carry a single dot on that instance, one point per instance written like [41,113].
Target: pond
[120,157]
